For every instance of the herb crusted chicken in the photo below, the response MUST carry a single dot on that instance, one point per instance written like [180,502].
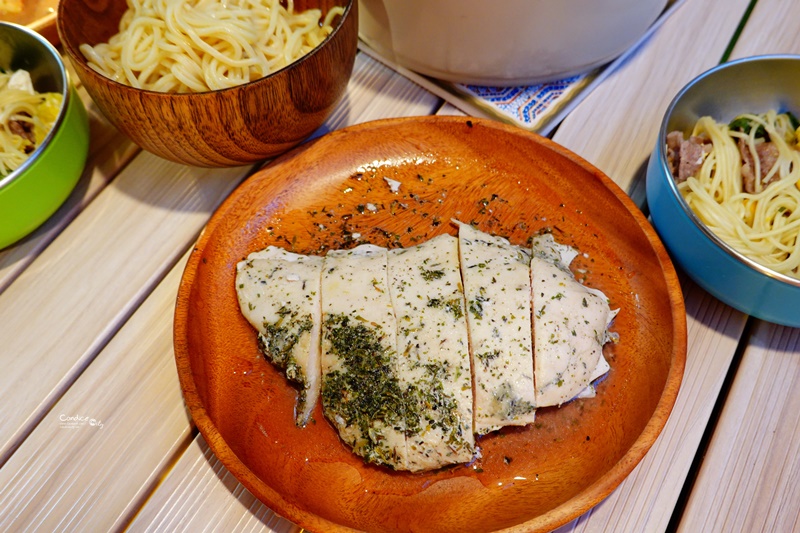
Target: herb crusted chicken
[420,349]
[428,301]
[497,284]
[279,293]
[362,392]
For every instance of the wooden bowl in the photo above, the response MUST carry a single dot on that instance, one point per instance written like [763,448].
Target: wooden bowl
[509,182]
[228,127]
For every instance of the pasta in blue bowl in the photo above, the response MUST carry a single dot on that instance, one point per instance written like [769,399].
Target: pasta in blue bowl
[723,184]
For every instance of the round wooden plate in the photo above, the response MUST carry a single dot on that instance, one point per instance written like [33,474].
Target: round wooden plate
[334,193]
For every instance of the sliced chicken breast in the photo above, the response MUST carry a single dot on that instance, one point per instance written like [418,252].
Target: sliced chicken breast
[545,247]
[428,302]
[362,391]
[569,324]
[279,294]
[496,279]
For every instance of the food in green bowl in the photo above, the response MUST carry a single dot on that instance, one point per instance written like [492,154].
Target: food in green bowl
[45,132]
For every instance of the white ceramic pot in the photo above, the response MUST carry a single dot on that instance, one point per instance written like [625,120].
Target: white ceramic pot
[504,42]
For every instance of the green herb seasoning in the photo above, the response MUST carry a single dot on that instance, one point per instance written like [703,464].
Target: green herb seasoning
[476,306]
[365,393]
[431,407]
[452,306]
[431,275]
[277,344]
[487,357]
[510,404]
[280,337]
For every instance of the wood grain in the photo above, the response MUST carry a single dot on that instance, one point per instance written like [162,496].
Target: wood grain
[509,183]
[748,480]
[230,127]
[200,493]
[35,13]
[92,277]
[97,453]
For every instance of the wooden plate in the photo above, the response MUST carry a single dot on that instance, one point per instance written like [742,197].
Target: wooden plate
[38,15]
[510,183]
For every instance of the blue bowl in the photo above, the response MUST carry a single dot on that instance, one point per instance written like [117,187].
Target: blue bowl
[750,85]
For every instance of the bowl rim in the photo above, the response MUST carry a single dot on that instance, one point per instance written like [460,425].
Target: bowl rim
[6,181]
[72,50]
[672,186]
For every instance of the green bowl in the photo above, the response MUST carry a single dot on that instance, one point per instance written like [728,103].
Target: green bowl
[34,191]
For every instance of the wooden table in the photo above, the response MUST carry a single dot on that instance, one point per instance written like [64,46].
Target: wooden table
[94,435]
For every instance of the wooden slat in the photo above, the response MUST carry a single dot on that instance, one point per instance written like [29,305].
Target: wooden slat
[63,308]
[771,29]
[96,455]
[376,92]
[95,275]
[615,128]
[748,480]
[200,493]
[448,109]
[749,477]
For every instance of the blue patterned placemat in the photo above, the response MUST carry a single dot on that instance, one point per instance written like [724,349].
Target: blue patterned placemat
[524,103]
[528,106]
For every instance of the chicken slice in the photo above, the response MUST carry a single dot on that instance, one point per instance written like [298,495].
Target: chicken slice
[279,295]
[428,301]
[550,356]
[362,393]
[496,278]
[570,323]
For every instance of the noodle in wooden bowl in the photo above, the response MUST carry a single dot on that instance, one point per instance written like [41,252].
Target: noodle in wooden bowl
[723,184]
[211,84]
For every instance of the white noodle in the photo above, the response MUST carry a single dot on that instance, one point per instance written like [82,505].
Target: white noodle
[182,46]
[764,225]
[38,111]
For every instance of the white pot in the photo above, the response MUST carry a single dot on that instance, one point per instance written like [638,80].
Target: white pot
[504,42]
